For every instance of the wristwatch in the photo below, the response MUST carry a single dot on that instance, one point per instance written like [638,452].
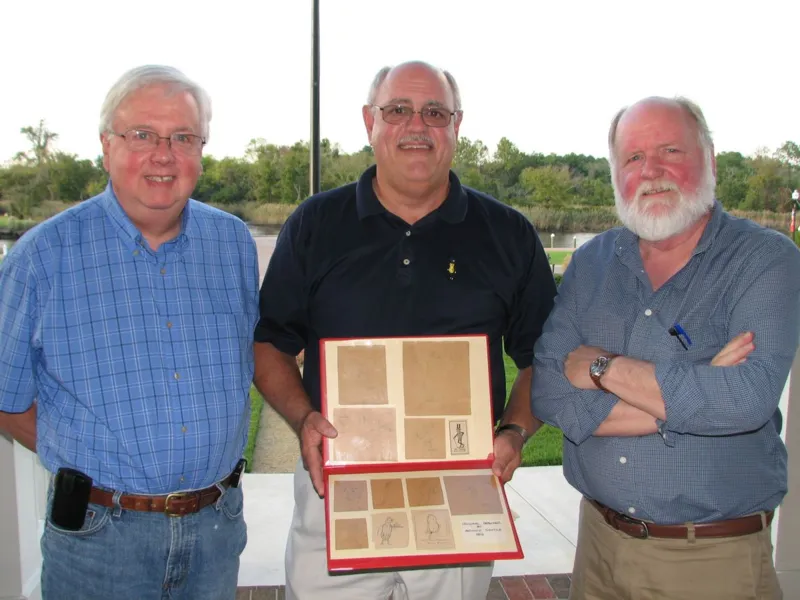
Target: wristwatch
[512,427]
[599,367]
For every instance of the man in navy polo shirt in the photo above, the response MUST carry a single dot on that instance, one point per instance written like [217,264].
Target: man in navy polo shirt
[404,251]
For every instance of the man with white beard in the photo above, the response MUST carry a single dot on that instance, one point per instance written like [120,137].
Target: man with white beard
[663,362]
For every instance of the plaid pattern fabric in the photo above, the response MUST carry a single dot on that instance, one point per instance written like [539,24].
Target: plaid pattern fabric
[141,361]
[719,454]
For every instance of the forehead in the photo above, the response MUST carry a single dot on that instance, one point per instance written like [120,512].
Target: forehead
[415,83]
[156,104]
[655,123]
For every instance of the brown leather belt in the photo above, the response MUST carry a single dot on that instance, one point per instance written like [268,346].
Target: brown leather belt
[645,529]
[173,505]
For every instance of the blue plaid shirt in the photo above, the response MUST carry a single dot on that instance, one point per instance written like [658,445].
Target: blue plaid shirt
[719,454]
[140,361]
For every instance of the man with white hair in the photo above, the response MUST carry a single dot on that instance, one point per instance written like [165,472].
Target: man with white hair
[128,319]
[407,250]
[663,363]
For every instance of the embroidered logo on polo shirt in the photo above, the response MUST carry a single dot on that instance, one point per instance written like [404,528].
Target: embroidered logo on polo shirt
[451,268]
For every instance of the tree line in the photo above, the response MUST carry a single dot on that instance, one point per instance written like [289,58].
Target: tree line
[36,180]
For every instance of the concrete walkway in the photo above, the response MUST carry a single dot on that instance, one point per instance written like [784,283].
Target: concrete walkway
[277,448]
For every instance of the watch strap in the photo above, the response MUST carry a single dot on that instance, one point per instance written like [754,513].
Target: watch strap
[597,382]
[512,427]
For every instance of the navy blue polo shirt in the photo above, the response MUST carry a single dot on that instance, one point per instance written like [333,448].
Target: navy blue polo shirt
[344,266]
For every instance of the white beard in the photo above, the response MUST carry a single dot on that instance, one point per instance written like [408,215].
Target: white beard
[687,210]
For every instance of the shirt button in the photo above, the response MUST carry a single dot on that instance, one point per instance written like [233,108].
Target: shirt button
[183,429]
[406,262]
[648,312]
[408,233]
[177,375]
[623,460]
[136,253]
[163,271]
[181,478]
[169,324]
[632,510]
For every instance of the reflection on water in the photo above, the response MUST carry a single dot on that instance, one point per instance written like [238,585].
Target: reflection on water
[259,230]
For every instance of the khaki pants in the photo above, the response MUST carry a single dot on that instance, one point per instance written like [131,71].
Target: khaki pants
[307,575]
[611,565]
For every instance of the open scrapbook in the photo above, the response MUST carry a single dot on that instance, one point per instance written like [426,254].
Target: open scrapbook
[408,480]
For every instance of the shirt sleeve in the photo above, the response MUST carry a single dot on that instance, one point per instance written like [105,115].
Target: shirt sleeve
[283,299]
[17,317]
[707,400]
[554,400]
[532,302]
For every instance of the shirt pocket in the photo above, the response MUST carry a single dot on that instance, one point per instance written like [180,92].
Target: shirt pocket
[603,330]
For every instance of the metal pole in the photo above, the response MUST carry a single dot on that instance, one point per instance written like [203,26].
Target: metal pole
[314,160]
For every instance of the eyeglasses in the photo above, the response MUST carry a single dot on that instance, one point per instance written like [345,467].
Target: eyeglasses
[141,140]
[432,116]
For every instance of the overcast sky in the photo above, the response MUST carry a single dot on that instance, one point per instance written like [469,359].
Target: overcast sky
[547,75]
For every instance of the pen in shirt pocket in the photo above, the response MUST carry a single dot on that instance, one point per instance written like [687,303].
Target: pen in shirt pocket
[678,332]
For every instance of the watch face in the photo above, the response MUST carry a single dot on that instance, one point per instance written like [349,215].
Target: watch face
[598,366]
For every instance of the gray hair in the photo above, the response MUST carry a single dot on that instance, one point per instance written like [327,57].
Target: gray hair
[146,75]
[380,77]
[692,109]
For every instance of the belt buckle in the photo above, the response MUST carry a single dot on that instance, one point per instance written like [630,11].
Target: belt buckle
[631,521]
[175,496]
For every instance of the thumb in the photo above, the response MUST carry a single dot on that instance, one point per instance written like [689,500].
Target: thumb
[325,427]
[498,466]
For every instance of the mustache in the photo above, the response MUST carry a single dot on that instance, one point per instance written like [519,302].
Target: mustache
[662,185]
[415,137]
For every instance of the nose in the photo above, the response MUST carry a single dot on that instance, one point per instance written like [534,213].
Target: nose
[652,168]
[416,123]
[162,153]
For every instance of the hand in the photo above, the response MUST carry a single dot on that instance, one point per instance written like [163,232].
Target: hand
[312,430]
[736,351]
[507,454]
[576,367]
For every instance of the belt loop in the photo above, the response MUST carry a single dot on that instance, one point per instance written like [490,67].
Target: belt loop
[117,506]
[690,533]
[763,516]
[222,491]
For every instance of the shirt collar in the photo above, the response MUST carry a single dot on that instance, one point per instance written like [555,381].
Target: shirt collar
[125,227]
[452,210]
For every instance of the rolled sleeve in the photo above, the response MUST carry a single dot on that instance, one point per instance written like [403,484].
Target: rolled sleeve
[554,400]
[707,400]
[17,316]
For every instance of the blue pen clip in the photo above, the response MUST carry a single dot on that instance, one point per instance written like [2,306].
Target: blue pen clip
[677,331]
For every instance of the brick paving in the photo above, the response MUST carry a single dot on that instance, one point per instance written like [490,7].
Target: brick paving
[529,587]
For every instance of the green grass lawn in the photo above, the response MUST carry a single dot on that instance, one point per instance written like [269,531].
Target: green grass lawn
[557,256]
[545,447]
[257,403]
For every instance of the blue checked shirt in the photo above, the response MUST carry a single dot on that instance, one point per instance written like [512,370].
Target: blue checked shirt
[140,361]
[718,454]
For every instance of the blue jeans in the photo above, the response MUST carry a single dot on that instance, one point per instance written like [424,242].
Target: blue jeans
[130,555]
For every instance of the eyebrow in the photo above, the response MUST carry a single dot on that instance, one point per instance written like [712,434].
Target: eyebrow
[186,129]
[409,101]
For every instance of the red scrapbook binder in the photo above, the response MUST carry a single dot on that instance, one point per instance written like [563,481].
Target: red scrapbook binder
[408,480]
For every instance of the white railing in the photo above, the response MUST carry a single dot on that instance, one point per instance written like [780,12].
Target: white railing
[21,521]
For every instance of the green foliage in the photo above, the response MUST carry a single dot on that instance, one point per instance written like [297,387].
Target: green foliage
[549,186]
[558,193]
